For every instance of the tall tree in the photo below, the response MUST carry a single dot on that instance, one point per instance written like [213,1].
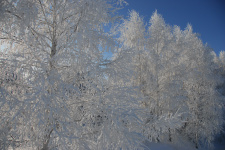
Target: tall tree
[178,82]
[219,70]
[56,44]
[153,66]
[204,101]
[132,37]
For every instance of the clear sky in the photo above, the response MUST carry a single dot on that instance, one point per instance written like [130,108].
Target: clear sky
[207,17]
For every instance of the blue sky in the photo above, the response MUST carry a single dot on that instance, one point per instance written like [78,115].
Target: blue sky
[207,17]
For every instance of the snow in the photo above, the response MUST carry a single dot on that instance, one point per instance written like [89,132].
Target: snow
[159,146]
[151,146]
[163,146]
[220,147]
[58,91]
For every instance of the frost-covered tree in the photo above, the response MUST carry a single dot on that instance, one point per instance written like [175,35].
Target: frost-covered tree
[165,96]
[178,82]
[8,96]
[143,57]
[65,104]
[220,68]
[163,67]
[200,82]
[57,91]
[132,38]
[220,71]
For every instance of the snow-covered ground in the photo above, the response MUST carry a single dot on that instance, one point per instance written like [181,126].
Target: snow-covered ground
[164,146]
[220,146]
[161,146]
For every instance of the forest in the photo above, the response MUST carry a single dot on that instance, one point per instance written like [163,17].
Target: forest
[59,91]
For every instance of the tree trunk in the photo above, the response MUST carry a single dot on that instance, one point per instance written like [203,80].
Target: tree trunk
[170,136]
[45,145]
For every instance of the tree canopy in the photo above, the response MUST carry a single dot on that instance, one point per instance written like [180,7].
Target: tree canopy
[162,83]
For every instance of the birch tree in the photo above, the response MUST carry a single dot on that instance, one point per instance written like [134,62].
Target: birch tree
[56,44]
[151,59]
[204,101]
[132,39]
[179,81]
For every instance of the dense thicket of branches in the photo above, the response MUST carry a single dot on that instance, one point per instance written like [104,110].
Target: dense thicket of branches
[58,92]
[176,75]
